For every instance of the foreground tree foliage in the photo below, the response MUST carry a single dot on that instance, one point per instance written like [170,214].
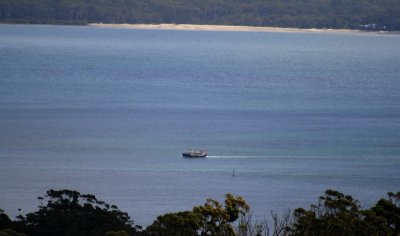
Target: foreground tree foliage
[210,219]
[339,214]
[68,212]
[185,223]
[384,217]
[334,214]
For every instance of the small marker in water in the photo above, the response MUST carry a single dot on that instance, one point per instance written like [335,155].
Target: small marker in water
[233,173]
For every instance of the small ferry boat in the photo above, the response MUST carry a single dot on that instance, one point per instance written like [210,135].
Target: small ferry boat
[190,153]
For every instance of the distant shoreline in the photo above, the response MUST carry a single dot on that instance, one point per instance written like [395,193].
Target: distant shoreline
[232,28]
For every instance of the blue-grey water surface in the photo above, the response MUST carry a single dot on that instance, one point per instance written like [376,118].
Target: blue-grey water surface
[109,112]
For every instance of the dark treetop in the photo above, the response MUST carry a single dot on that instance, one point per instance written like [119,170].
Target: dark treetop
[70,213]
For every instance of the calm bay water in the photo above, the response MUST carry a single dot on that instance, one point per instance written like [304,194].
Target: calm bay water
[109,111]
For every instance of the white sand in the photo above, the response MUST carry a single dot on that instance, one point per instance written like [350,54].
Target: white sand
[224,28]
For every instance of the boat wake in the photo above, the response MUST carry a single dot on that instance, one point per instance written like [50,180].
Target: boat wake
[237,157]
[251,157]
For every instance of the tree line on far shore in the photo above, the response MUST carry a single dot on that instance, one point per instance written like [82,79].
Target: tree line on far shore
[70,213]
[344,14]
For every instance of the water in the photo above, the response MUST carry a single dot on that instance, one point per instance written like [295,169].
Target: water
[109,111]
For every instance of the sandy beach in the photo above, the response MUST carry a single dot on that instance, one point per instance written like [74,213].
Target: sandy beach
[228,28]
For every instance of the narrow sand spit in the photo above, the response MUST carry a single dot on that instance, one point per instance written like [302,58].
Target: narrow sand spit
[227,28]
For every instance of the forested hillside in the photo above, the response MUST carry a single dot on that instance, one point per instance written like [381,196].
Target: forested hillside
[348,14]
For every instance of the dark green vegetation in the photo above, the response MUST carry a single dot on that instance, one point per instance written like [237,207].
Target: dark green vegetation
[339,214]
[210,219]
[71,213]
[347,14]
